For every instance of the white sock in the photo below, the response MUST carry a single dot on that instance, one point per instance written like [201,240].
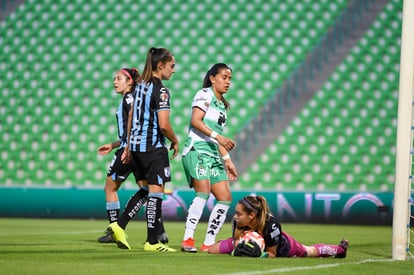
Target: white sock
[216,221]
[193,216]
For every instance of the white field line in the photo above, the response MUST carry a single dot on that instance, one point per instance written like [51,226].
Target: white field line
[301,268]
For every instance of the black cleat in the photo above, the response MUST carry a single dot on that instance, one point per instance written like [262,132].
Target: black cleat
[163,238]
[106,239]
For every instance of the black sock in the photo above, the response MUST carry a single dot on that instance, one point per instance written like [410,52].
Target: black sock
[133,205]
[113,215]
[153,212]
[161,229]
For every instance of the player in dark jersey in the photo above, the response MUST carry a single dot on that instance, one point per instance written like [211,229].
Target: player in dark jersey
[253,214]
[124,83]
[150,129]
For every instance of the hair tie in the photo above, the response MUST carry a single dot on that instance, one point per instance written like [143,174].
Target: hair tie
[248,204]
[125,71]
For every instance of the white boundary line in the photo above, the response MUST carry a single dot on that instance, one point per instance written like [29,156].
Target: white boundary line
[301,268]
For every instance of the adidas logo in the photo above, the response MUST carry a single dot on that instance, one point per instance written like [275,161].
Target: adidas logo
[162,248]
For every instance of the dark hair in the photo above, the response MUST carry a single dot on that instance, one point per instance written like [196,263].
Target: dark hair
[214,70]
[154,56]
[133,74]
[257,205]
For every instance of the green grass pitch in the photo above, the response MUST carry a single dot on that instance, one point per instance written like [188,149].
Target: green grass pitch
[62,246]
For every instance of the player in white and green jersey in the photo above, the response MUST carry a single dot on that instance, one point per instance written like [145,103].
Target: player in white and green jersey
[214,118]
[205,157]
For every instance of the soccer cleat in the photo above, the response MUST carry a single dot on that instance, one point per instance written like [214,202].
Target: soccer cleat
[344,244]
[188,245]
[118,234]
[107,238]
[205,248]
[163,238]
[158,247]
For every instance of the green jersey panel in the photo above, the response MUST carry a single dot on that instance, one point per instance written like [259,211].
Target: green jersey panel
[215,118]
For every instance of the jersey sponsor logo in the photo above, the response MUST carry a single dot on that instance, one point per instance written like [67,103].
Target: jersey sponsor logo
[129,99]
[275,232]
[163,104]
[201,171]
[164,98]
[145,90]
[167,171]
[200,99]
[164,95]
[222,119]
[136,140]
[214,172]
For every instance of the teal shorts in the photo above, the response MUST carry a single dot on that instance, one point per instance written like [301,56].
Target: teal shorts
[202,166]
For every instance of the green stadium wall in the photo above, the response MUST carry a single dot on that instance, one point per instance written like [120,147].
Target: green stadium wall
[295,207]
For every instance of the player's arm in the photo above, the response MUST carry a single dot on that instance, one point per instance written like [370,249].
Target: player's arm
[107,148]
[167,130]
[198,123]
[126,155]
[271,251]
[215,248]
[231,170]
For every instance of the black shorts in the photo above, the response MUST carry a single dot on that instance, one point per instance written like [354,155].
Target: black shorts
[119,171]
[153,166]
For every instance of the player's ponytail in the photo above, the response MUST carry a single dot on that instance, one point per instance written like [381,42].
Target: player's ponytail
[264,213]
[154,56]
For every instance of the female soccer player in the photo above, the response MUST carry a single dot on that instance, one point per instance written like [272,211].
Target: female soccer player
[203,148]
[150,129]
[253,214]
[124,83]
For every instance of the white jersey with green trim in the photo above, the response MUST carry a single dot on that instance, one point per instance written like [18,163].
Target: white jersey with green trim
[215,118]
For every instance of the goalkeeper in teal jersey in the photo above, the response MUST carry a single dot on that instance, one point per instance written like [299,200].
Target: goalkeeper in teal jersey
[205,156]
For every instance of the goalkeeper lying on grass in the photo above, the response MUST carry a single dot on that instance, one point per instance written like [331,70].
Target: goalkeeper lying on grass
[253,214]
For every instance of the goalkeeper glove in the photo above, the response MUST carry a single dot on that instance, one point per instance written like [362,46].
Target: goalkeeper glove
[247,249]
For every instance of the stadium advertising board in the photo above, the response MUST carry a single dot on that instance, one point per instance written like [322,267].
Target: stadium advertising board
[297,207]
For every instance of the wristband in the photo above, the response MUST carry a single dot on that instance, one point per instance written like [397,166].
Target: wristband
[213,134]
[226,157]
